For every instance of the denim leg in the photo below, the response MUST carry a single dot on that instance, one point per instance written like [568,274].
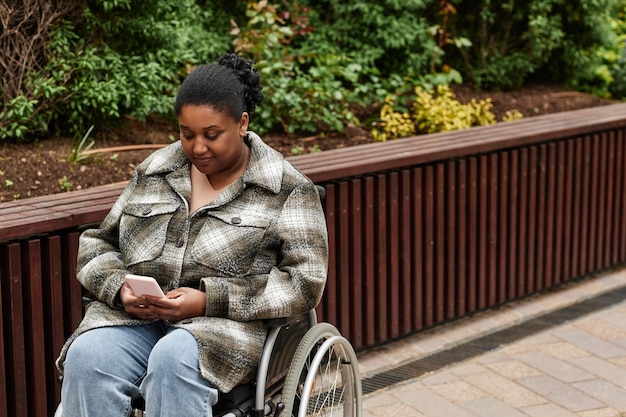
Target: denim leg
[173,385]
[104,368]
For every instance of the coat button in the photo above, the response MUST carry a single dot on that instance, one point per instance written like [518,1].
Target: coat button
[147,211]
[180,242]
[236,220]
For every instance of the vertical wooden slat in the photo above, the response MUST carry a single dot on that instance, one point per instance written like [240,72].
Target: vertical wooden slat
[576,225]
[418,264]
[539,252]
[559,215]
[369,254]
[568,208]
[583,254]
[550,203]
[524,179]
[356,262]
[600,202]
[622,198]
[512,216]
[451,242]
[503,228]
[72,289]
[344,280]
[406,252]
[483,232]
[461,237]
[531,242]
[4,378]
[15,364]
[381,258]
[53,304]
[609,181]
[472,238]
[327,310]
[393,264]
[34,327]
[429,249]
[618,210]
[492,230]
[439,243]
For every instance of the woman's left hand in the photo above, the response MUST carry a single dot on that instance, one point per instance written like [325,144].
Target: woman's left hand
[179,304]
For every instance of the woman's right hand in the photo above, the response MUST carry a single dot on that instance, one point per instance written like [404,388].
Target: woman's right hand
[135,306]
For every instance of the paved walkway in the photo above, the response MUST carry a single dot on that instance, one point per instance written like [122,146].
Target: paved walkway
[577,368]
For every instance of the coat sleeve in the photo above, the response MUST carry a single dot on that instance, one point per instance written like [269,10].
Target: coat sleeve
[100,267]
[296,283]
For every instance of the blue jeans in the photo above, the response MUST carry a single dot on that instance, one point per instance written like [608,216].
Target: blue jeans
[106,368]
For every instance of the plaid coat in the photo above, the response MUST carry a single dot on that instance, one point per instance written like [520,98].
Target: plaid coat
[259,251]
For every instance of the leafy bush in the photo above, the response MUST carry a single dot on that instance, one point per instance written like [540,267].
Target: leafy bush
[432,111]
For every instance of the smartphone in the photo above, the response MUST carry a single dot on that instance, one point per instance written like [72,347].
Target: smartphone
[144,286]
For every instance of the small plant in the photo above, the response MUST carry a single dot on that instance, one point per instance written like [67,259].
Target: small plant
[512,115]
[297,150]
[8,183]
[432,111]
[78,151]
[65,184]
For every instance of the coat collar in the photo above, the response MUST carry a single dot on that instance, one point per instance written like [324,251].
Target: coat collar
[265,168]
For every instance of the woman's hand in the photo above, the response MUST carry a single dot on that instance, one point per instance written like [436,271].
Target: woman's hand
[135,306]
[179,304]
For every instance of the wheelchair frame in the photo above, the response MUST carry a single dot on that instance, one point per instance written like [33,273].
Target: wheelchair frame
[292,375]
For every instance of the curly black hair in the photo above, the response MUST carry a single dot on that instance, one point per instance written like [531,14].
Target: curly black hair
[231,85]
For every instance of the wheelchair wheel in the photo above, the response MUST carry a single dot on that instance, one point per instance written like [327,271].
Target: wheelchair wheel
[323,378]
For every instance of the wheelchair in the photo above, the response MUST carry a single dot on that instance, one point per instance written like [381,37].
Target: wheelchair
[306,369]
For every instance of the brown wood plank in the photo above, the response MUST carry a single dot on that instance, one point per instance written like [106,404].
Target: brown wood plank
[356,261]
[329,300]
[483,232]
[609,180]
[568,208]
[343,258]
[492,230]
[524,180]
[440,243]
[472,235]
[406,252]
[600,203]
[73,290]
[429,243]
[369,253]
[512,216]
[462,237]
[17,391]
[393,257]
[382,276]
[4,377]
[451,242]
[52,276]
[577,205]
[619,192]
[559,215]
[418,263]
[550,209]
[34,328]
[586,207]
[531,263]
[503,227]
[540,248]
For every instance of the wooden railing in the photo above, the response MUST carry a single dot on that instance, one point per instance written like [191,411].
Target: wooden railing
[422,231]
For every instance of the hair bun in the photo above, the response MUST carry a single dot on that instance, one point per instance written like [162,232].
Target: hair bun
[248,76]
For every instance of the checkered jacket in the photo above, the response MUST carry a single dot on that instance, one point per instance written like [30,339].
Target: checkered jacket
[259,251]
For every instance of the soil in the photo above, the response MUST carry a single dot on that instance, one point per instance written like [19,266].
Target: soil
[42,168]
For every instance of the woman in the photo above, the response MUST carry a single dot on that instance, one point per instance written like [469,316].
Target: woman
[232,233]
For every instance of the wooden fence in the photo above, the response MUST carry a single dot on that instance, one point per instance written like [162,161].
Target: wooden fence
[422,231]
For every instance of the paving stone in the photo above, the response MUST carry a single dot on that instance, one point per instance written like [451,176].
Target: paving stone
[394,410]
[604,391]
[601,412]
[561,349]
[603,369]
[550,365]
[545,410]
[431,404]
[505,390]
[459,391]
[591,343]
[489,407]
[560,393]
[513,369]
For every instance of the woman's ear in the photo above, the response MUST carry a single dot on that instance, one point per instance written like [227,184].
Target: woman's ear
[243,124]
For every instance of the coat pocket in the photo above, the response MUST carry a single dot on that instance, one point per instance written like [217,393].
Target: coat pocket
[143,230]
[230,243]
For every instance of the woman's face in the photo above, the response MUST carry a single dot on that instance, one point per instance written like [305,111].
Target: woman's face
[212,141]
